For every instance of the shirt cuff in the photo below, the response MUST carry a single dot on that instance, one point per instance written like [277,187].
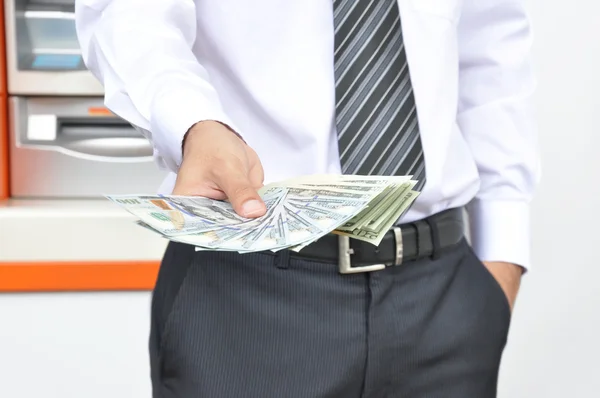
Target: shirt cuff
[500,231]
[173,113]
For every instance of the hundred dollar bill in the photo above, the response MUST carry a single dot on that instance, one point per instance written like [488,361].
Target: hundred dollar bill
[301,230]
[387,221]
[314,193]
[392,200]
[149,228]
[199,239]
[297,248]
[267,235]
[177,215]
[372,236]
[275,237]
[317,179]
[272,231]
[295,226]
[332,204]
[371,187]
[239,237]
[321,218]
[299,212]
[229,238]
[164,216]
[305,243]
[394,188]
[301,234]
[210,239]
[363,216]
[378,205]
[278,235]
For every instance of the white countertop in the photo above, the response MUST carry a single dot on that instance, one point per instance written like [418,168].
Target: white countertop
[71,230]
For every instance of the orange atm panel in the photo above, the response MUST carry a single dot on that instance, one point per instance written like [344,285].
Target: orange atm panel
[4,186]
[78,276]
[4,183]
[24,276]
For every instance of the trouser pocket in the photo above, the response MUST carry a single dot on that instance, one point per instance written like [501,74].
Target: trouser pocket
[173,274]
[493,286]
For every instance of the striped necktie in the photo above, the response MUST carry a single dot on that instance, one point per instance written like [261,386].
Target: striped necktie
[376,116]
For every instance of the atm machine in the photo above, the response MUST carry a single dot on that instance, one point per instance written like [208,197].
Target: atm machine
[63,142]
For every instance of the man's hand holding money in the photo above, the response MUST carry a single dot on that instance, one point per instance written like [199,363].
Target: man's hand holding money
[218,164]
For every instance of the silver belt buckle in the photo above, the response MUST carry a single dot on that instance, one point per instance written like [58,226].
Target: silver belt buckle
[345,262]
[345,251]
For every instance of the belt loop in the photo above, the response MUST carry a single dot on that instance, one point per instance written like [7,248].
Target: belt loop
[419,233]
[435,238]
[422,228]
[282,259]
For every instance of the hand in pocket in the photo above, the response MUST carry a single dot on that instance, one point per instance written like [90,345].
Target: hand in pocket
[508,277]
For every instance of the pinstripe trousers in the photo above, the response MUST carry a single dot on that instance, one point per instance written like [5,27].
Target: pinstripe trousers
[267,325]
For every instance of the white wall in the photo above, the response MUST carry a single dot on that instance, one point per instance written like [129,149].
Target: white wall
[94,345]
[74,345]
[554,348]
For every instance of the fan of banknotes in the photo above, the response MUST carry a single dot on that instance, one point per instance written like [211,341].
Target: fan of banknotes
[299,211]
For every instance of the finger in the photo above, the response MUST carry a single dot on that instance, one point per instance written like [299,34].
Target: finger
[204,189]
[256,175]
[241,194]
[210,193]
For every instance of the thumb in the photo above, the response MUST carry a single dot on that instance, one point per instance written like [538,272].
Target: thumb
[243,196]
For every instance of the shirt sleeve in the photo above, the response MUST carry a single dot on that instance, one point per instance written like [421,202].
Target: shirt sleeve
[496,117]
[141,51]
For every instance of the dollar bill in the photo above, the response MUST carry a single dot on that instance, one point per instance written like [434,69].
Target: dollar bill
[177,215]
[379,204]
[267,235]
[207,239]
[333,205]
[290,228]
[388,219]
[301,191]
[370,189]
[243,237]
[312,194]
[392,200]
[320,218]
[316,179]
[364,215]
[301,230]
[164,216]
[385,222]
[299,211]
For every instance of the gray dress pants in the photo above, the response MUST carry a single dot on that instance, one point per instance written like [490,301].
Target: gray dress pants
[266,325]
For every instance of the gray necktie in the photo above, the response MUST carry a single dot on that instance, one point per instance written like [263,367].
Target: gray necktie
[375,109]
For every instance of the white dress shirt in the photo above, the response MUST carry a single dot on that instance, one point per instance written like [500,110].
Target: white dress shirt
[264,67]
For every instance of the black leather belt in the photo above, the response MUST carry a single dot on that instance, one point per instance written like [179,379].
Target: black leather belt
[406,242]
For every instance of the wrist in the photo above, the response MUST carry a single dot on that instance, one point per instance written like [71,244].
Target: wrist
[511,268]
[199,131]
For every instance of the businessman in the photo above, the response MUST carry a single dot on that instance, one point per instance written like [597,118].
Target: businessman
[234,94]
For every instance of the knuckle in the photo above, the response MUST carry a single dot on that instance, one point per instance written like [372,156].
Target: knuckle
[211,160]
[218,167]
[223,174]
[222,168]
